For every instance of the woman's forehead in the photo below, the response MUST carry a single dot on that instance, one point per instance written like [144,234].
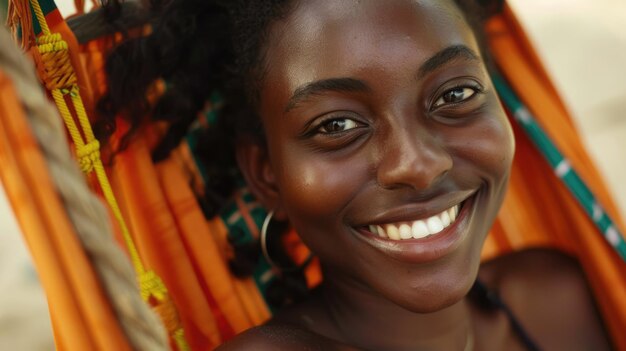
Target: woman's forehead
[324,23]
[339,38]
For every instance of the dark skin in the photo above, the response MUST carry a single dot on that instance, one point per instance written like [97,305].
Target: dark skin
[382,113]
[563,319]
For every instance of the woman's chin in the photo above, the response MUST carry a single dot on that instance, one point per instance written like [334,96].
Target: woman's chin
[437,294]
[434,301]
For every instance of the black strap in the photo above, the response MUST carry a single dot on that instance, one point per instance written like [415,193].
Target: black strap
[488,299]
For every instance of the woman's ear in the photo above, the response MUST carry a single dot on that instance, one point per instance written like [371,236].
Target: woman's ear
[254,163]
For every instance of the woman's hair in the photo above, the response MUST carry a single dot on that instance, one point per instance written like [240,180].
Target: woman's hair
[200,48]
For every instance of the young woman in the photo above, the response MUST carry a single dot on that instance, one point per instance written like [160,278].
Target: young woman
[373,128]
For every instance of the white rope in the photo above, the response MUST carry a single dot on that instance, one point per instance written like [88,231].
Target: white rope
[89,217]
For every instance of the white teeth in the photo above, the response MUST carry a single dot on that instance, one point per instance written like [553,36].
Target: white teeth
[434,225]
[376,229]
[405,231]
[452,213]
[420,230]
[417,229]
[392,232]
[445,219]
[381,231]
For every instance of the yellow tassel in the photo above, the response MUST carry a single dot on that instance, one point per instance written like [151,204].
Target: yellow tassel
[169,316]
[56,71]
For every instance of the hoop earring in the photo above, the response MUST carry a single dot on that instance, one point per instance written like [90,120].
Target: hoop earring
[263,239]
[266,253]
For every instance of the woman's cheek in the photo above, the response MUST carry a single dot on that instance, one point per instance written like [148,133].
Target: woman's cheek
[489,147]
[315,188]
[502,149]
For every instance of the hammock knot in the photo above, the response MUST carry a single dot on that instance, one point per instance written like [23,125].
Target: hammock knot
[50,38]
[88,155]
[151,284]
[53,62]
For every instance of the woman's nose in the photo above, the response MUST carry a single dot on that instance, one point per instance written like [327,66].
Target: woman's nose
[416,160]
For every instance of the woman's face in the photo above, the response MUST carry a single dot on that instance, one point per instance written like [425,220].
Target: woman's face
[387,146]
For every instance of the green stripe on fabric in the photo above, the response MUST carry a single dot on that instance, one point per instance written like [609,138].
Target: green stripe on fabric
[36,26]
[47,6]
[238,231]
[240,234]
[561,166]
[193,136]
[192,141]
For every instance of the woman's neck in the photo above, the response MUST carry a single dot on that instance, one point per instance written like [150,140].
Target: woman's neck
[362,318]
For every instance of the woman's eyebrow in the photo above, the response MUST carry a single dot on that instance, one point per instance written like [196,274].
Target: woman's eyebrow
[325,85]
[445,56]
[439,59]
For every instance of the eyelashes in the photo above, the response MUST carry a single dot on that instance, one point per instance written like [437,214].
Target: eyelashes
[334,132]
[457,95]
[333,125]
[452,99]
[337,125]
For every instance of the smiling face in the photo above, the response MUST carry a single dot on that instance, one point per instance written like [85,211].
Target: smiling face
[387,147]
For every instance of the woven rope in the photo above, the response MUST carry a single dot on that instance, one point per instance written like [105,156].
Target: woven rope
[90,219]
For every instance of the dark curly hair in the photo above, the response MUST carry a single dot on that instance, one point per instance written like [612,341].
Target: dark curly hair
[199,48]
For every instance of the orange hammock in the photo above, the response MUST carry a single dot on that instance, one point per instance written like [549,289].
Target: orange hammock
[206,304]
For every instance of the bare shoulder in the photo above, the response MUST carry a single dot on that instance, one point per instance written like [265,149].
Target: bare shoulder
[280,337]
[272,337]
[548,292]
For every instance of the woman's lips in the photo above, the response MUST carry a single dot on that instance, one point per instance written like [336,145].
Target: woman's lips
[417,229]
[421,240]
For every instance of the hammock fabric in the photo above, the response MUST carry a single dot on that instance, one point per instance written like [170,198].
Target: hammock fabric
[76,300]
[190,253]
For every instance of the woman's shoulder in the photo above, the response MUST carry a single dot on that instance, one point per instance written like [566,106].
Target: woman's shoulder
[278,336]
[271,337]
[534,267]
[548,292]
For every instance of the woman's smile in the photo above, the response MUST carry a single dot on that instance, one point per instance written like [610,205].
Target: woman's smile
[416,220]
[418,228]
[423,237]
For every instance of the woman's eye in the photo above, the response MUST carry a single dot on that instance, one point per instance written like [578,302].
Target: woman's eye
[455,95]
[337,126]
